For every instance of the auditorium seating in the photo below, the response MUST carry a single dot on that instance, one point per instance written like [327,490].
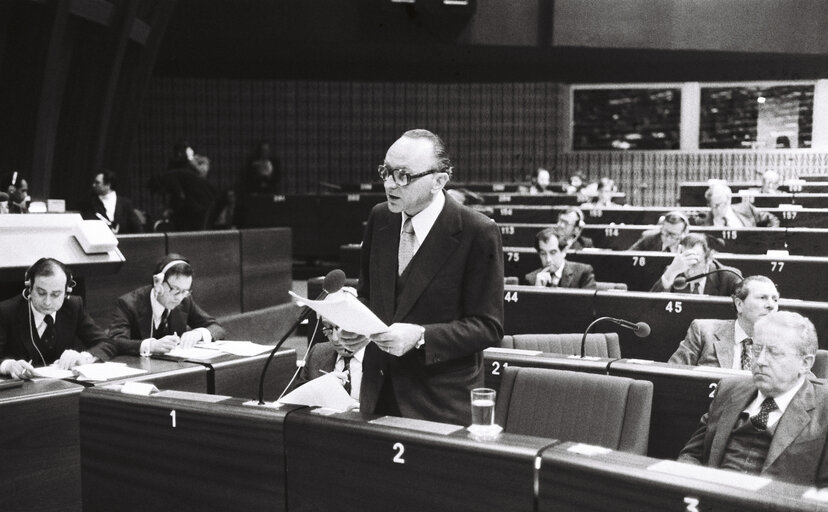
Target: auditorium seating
[572,406]
[597,344]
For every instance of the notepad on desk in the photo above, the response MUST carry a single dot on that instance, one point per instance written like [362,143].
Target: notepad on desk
[236,348]
[106,371]
[193,353]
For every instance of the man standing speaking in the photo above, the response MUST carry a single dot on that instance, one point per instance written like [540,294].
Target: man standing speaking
[432,269]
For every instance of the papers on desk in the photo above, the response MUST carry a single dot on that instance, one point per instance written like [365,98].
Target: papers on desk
[53,372]
[237,348]
[325,391]
[712,475]
[347,312]
[516,351]
[194,353]
[106,371]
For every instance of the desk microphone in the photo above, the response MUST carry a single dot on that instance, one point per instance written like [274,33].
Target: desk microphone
[640,329]
[681,280]
[334,281]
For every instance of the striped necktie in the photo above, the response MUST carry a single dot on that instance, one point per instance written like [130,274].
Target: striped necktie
[747,355]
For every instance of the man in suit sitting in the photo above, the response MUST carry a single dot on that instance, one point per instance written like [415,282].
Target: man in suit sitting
[571,221]
[45,324]
[672,228]
[556,271]
[334,357]
[693,261]
[432,270]
[723,213]
[107,205]
[156,318]
[774,423]
[726,343]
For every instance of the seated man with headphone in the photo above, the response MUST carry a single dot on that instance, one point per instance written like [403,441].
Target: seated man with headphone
[45,324]
[156,318]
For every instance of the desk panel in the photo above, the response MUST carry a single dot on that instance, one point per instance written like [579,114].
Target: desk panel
[342,462]
[266,267]
[620,481]
[178,375]
[238,376]
[40,447]
[805,199]
[158,453]
[552,199]
[681,395]
[533,310]
[494,361]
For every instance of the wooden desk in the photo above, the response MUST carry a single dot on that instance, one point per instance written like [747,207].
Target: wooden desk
[180,454]
[344,462]
[621,481]
[40,447]
[495,360]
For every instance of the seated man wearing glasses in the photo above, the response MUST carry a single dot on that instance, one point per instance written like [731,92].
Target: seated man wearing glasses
[672,228]
[775,422]
[156,318]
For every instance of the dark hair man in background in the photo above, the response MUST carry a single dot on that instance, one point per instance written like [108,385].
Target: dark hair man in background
[112,208]
[556,270]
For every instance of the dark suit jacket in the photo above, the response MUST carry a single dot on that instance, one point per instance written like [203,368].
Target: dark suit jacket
[125,219]
[133,315]
[722,284]
[747,213]
[708,342]
[648,242]
[580,243]
[797,451]
[575,275]
[74,329]
[321,356]
[454,290]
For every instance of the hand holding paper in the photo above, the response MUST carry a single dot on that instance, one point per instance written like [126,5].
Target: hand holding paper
[346,311]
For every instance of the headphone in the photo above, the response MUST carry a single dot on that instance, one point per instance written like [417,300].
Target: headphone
[161,275]
[577,211]
[38,267]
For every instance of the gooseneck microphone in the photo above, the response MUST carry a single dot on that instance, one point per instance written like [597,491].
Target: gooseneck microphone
[640,329]
[334,281]
[681,280]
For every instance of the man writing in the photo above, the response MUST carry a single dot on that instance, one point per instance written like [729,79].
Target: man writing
[726,343]
[433,270]
[156,318]
[556,270]
[775,422]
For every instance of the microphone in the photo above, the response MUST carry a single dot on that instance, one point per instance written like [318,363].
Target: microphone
[681,280]
[334,281]
[640,329]
[4,196]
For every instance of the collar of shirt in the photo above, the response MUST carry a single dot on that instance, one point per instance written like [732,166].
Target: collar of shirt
[739,334]
[559,273]
[157,309]
[40,325]
[109,199]
[424,221]
[357,356]
[782,402]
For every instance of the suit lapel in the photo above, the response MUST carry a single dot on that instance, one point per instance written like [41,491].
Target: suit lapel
[431,256]
[144,317]
[566,276]
[793,421]
[26,326]
[384,258]
[724,344]
[724,426]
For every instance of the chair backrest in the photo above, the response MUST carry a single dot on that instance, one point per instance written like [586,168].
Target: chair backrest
[820,368]
[606,285]
[573,406]
[597,344]
[510,280]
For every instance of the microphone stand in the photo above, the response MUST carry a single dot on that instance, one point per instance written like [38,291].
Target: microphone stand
[302,318]
[589,327]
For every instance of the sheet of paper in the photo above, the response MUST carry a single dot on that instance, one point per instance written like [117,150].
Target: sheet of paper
[240,348]
[325,391]
[106,371]
[53,372]
[194,353]
[346,311]
[521,351]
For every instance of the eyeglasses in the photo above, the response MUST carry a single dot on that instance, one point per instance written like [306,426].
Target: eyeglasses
[328,330]
[401,177]
[771,352]
[177,292]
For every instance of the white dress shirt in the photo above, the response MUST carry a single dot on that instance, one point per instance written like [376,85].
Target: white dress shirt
[782,402]
[739,334]
[109,199]
[425,219]
[354,369]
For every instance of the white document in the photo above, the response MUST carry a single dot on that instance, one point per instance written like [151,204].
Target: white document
[237,348]
[194,353]
[53,372]
[325,391]
[106,371]
[347,312]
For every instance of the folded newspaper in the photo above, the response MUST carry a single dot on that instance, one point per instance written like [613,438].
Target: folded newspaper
[346,311]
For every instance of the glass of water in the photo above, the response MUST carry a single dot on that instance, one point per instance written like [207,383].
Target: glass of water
[482,412]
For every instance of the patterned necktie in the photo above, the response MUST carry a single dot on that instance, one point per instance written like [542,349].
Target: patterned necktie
[747,354]
[408,246]
[347,369]
[694,288]
[48,336]
[162,329]
[760,421]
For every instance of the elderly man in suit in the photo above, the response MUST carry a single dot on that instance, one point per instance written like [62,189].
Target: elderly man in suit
[726,343]
[672,228]
[693,263]
[723,213]
[774,423]
[46,325]
[433,270]
[556,270]
[156,318]
[109,206]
